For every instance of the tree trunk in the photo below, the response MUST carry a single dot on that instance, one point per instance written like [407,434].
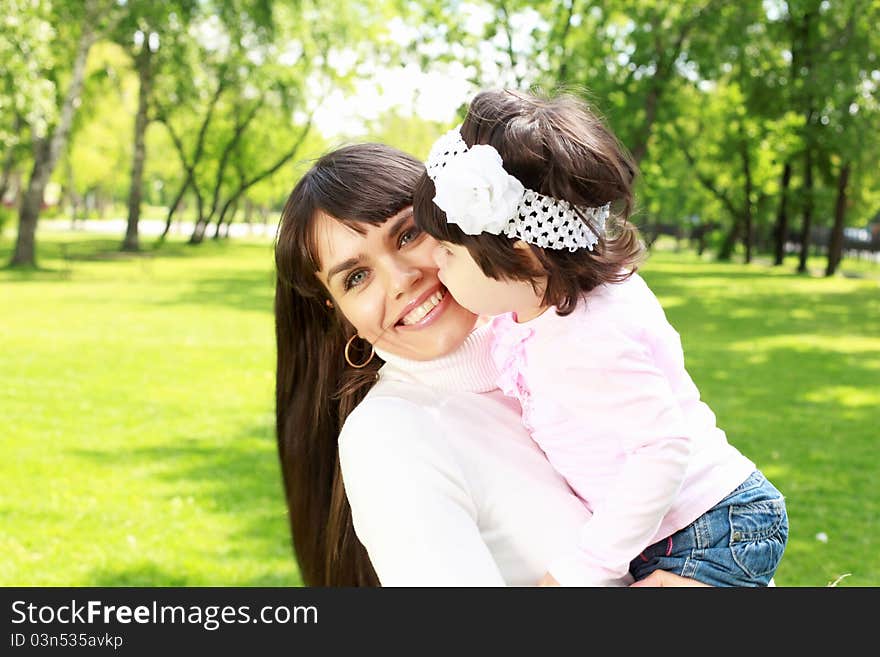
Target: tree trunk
[198,234]
[143,62]
[835,245]
[229,209]
[808,210]
[747,205]
[780,231]
[651,103]
[181,151]
[202,221]
[46,154]
[70,193]
[227,225]
[725,252]
[809,105]
[173,208]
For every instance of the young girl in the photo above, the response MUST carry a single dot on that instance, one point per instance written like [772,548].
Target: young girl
[529,199]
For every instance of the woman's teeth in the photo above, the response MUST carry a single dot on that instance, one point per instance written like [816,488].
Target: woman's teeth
[419,312]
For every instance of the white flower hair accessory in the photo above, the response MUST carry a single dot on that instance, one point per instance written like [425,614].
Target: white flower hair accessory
[478,195]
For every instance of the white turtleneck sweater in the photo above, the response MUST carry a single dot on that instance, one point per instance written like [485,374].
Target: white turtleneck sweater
[446,487]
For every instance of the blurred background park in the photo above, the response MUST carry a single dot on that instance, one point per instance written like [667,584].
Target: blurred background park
[146,150]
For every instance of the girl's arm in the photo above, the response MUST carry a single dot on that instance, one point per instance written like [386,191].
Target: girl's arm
[409,500]
[630,406]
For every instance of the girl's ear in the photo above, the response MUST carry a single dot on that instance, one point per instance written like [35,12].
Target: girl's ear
[529,251]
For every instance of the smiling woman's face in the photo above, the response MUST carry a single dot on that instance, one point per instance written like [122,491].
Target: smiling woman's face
[384,281]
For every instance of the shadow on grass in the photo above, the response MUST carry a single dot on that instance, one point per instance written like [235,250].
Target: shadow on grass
[146,573]
[245,290]
[150,574]
[689,269]
[63,254]
[230,479]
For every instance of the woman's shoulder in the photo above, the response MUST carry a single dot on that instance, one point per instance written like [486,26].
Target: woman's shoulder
[395,418]
[388,406]
[402,423]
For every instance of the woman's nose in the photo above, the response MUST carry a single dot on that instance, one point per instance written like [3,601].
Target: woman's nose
[403,277]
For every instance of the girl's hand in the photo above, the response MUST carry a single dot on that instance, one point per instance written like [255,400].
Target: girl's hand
[548,580]
[665,578]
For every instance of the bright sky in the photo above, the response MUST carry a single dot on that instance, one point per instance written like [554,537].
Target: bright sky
[432,95]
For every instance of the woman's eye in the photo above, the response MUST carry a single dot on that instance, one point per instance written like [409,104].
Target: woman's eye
[409,235]
[355,278]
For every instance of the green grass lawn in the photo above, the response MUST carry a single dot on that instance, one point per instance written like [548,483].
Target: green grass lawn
[791,366]
[138,415]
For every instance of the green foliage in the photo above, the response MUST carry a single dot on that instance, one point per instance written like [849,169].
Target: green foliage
[28,51]
[98,158]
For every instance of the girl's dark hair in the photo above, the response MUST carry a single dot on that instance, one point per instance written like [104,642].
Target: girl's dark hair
[314,389]
[555,146]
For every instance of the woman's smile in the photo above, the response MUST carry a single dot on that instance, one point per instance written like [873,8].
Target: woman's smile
[424,310]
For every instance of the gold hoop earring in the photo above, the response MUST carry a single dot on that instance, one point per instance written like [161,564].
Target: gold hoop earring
[348,358]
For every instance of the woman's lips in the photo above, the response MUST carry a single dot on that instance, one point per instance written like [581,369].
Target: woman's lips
[432,315]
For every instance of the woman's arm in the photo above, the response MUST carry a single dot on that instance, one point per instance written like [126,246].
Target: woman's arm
[410,503]
[660,578]
[656,579]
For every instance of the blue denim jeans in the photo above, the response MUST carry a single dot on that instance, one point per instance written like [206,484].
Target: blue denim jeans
[738,542]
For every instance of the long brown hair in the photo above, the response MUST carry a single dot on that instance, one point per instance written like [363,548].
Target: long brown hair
[558,146]
[314,389]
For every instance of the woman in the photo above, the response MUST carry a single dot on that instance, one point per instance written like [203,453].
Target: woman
[423,457]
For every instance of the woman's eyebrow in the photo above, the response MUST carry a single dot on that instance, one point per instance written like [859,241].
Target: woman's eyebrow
[342,266]
[397,225]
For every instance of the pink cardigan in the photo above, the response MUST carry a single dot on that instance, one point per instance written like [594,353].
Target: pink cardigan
[605,394]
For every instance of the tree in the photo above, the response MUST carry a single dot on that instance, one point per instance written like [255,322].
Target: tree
[78,26]
[851,114]
[93,166]
[146,27]
[247,110]
[27,98]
